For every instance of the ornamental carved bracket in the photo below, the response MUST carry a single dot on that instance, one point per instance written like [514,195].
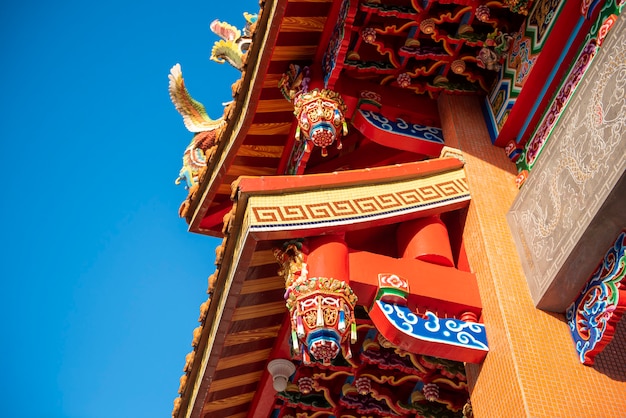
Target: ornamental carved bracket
[461,339]
[428,334]
[425,47]
[597,310]
[399,133]
[385,381]
[320,113]
[321,309]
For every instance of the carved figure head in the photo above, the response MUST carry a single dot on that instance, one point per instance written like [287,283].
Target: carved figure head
[321,118]
[322,317]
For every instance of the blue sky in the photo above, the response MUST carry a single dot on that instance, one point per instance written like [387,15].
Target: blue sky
[101,282]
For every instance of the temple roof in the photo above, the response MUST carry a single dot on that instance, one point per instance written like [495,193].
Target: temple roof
[258,137]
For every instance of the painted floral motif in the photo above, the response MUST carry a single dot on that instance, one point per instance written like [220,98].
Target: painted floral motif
[492,54]
[523,61]
[482,13]
[404,80]
[369,35]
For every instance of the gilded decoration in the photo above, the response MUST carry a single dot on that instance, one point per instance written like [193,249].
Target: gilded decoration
[320,113]
[386,381]
[417,45]
[321,118]
[322,318]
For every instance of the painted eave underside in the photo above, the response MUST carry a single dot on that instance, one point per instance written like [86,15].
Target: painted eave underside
[260,122]
[251,143]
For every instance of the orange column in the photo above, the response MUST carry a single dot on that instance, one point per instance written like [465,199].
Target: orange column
[425,239]
[532,367]
[328,257]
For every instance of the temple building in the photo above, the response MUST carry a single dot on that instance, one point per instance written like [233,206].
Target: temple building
[422,211]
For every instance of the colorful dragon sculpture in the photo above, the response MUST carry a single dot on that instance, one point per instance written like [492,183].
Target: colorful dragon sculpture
[197,121]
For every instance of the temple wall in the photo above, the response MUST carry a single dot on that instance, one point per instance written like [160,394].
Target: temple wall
[532,368]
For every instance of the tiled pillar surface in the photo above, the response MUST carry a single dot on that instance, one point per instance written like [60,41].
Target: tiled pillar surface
[532,369]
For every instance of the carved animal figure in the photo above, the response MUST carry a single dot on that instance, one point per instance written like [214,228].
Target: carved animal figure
[197,121]
[233,44]
[488,59]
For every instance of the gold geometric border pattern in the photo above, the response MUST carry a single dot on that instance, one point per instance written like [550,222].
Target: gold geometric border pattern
[340,205]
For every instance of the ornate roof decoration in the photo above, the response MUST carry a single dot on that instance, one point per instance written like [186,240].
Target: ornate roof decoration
[233,44]
[197,121]
[426,47]
[388,382]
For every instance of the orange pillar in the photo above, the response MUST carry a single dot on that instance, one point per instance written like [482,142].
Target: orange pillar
[425,239]
[328,257]
[531,353]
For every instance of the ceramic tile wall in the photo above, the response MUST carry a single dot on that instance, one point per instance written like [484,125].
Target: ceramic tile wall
[532,369]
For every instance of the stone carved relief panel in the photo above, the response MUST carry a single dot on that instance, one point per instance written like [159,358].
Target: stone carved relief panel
[557,215]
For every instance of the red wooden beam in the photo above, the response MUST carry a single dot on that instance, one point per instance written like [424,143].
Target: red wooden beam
[265,396]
